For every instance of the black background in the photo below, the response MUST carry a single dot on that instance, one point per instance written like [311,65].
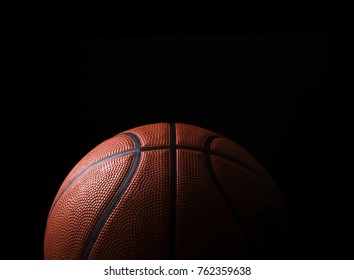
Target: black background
[283,97]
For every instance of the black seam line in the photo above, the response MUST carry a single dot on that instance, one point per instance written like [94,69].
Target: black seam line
[172,197]
[102,220]
[234,161]
[209,152]
[224,196]
[149,148]
[89,168]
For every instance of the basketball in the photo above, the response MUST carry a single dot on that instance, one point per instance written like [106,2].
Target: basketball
[166,191]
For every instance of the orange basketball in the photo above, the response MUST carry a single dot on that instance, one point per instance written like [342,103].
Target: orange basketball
[166,191]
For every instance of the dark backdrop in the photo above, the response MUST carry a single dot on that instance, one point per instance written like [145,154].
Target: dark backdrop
[283,97]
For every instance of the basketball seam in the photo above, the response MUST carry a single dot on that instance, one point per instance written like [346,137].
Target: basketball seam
[207,152]
[116,198]
[172,189]
[150,148]
[224,196]
[123,153]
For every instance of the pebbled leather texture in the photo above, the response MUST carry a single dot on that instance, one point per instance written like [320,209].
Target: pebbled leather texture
[166,191]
